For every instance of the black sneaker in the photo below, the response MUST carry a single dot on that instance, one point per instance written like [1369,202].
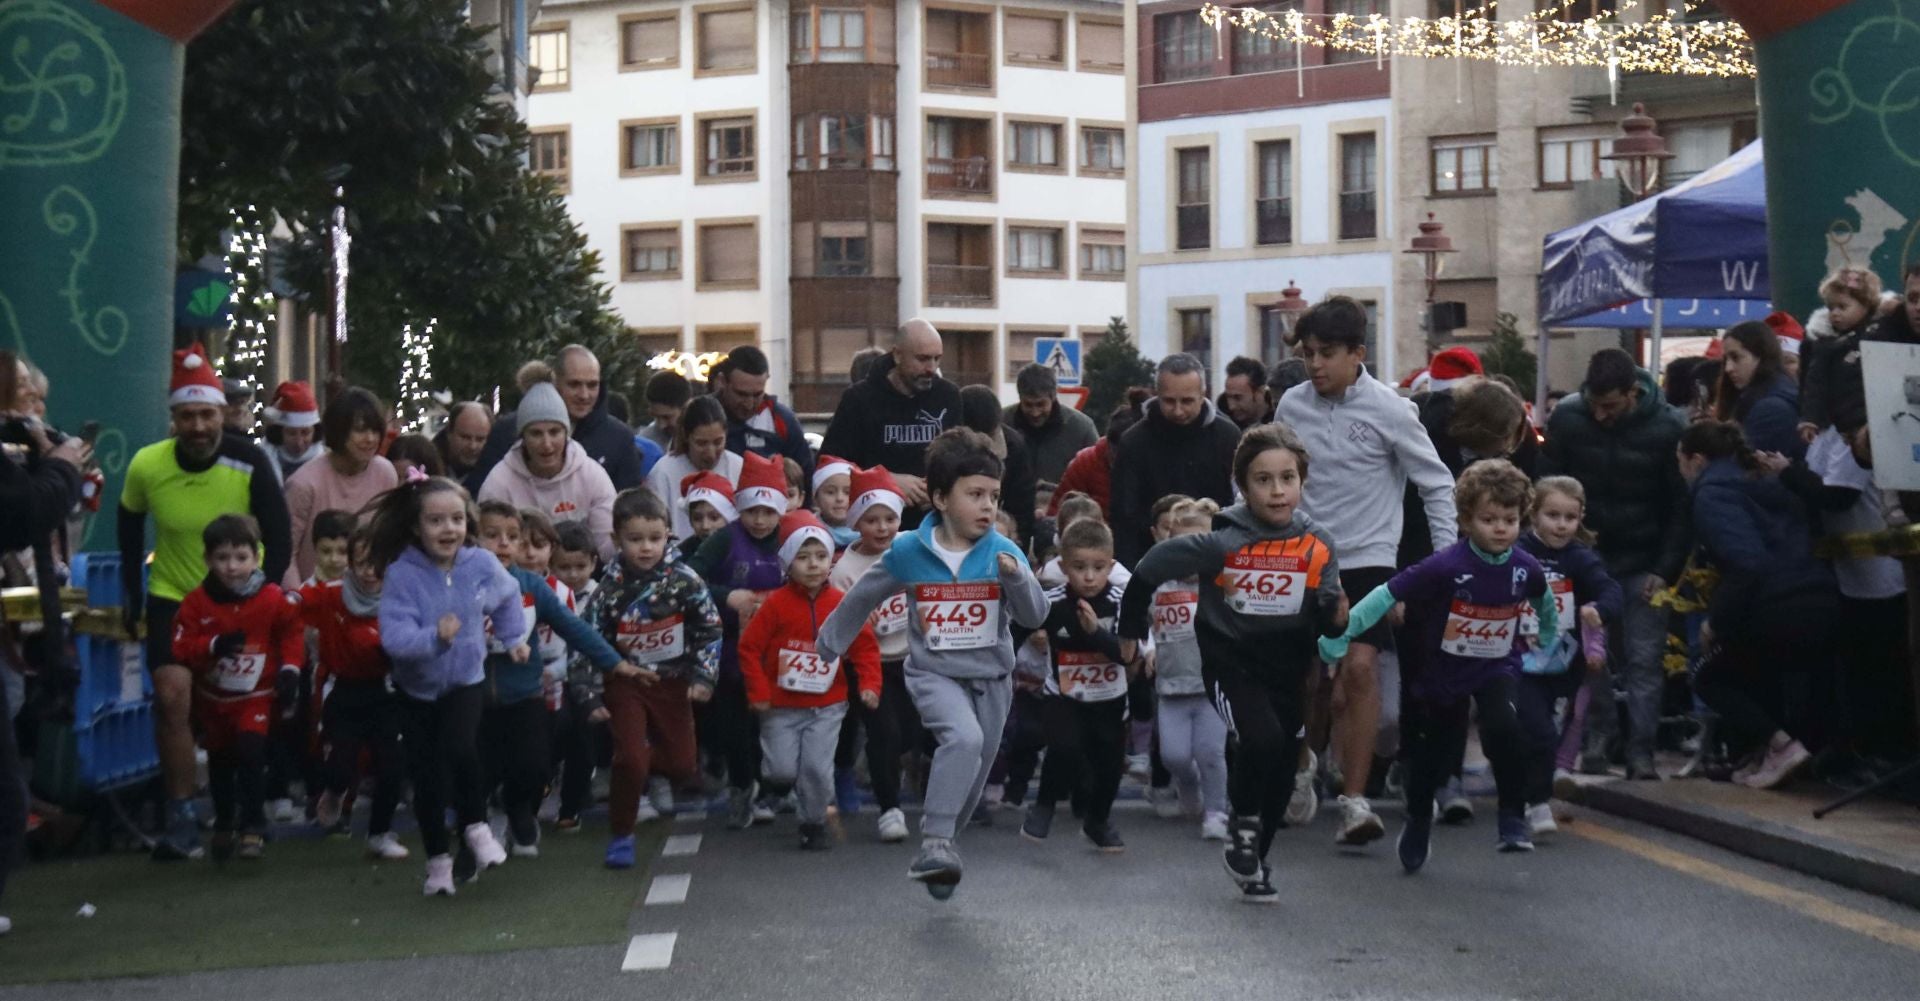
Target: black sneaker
[1416,841]
[1105,838]
[1260,890]
[221,845]
[1039,822]
[466,868]
[1243,850]
[813,838]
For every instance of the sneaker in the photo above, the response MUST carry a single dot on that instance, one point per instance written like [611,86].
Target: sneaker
[648,813]
[1564,785]
[620,853]
[1513,833]
[487,852]
[740,807]
[938,866]
[765,809]
[1039,822]
[1214,827]
[326,810]
[660,794]
[787,806]
[1105,838]
[439,877]
[982,815]
[1416,843]
[567,825]
[549,811]
[813,838]
[893,826]
[1359,825]
[1396,787]
[1778,766]
[6,924]
[1455,807]
[222,845]
[846,791]
[1165,800]
[1140,767]
[1748,765]
[1642,770]
[524,849]
[250,847]
[386,847]
[1259,890]
[182,840]
[1242,854]
[1013,796]
[1540,819]
[1304,804]
[1595,763]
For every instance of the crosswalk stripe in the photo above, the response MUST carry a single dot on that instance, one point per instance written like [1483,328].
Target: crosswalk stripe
[668,889]
[649,952]
[680,845]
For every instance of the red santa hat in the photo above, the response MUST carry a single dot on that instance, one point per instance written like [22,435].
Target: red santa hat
[294,406]
[712,488]
[829,467]
[194,380]
[870,487]
[1787,329]
[763,483]
[796,527]
[1716,349]
[1452,365]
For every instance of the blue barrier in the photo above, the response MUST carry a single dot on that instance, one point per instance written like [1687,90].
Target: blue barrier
[113,673]
[115,747]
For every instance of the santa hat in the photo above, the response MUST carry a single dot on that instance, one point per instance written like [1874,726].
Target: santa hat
[712,488]
[796,527]
[1787,329]
[1716,349]
[294,406]
[870,487]
[1452,365]
[828,468]
[763,483]
[194,380]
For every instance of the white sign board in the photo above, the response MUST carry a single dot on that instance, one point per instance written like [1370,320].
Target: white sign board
[1892,374]
[1062,355]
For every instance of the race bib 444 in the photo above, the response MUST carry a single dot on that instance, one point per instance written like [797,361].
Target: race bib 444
[1480,631]
[958,616]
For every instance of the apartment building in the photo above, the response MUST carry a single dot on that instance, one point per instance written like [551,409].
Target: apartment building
[803,175]
[1262,165]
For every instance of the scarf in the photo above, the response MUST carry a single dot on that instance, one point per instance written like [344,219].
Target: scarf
[358,602]
[226,596]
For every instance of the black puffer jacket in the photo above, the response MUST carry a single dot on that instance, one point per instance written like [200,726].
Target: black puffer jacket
[1636,500]
[1157,457]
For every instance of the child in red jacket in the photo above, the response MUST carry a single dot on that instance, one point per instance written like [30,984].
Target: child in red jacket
[802,700]
[243,641]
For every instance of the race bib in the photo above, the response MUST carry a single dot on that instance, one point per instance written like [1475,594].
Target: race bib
[652,642]
[239,673]
[891,616]
[959,616]
[1173,614]
[802,670]
[1562,590]
[1265,585]
[1089,676]
[1480,631]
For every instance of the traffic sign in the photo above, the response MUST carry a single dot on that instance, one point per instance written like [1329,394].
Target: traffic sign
[1062,355]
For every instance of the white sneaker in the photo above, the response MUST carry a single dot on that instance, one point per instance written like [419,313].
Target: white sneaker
[1166,802]
[387,847]
[1779,765]
[1304,805]
[1214,827]
[281,811]
[893,826]
[549,808]
[648,813]
[6,925]
[1358,823]
[326,810]
[487,852]
[1540,819]
[439,877]
[660,794]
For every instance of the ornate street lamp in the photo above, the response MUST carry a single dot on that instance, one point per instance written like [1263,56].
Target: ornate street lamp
[1638,153]
[1289,309]
[1432,245]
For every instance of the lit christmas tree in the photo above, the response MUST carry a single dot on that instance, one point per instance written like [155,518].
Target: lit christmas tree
[252,305]
[416,375]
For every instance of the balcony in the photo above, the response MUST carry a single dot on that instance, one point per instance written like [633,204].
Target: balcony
[960,70]
[960,284]
[1358,219]
[967,175]
[1273,221]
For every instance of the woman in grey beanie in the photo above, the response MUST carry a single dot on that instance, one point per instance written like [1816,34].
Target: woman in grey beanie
[549,471]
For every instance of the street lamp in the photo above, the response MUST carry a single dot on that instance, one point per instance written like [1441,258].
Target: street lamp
[1431,244]
[1288,311]
[1640,150]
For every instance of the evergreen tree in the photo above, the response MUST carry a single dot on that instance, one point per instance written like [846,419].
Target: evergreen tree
[1110,369]
[1507,354]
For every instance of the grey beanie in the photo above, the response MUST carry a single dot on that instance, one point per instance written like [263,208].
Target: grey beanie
[542,403]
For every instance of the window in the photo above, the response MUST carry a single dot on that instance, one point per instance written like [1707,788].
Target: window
[1033,38]
[1581,10]
[725,40]
[721,340]
[1697,145]
[1103,255]
[842,142]
[650,147]
[1464,165]
[1273,336]
[1034,250]
[959,49]
[1183,47]
[1359,160]
[1254,52]
[548,155]
[844,256]
[650,41]
[1194,219]
[727,151]
[729,255]
[1571,155]
[969,358]
[959,156]
[651,253]
[1033,144]
[1100,45]
[959,265]
[548,51]
[1359,10]
[1102,150]
[652,341]
[1196,335]
[1273,198]
[829,35]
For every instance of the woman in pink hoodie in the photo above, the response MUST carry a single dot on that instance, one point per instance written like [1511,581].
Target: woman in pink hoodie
[550,472]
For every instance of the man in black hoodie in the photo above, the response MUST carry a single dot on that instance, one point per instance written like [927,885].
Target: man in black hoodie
[605,438]
[1182,446]
[889,419]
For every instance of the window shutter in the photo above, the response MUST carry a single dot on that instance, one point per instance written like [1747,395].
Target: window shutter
[728,254]
[1036,38]
[726,40]
[1101,45]
[652,41]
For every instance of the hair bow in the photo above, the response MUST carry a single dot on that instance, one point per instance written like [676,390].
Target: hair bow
[1853,279]
[416,474]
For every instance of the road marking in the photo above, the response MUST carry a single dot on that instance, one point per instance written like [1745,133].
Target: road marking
[668,889]
[680,845]
[649,952]
[1818,908]
[689,816]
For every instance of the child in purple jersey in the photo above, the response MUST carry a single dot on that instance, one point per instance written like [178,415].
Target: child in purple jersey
[1464,606]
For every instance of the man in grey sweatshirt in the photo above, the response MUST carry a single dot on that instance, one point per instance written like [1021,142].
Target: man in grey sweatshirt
[1367,444]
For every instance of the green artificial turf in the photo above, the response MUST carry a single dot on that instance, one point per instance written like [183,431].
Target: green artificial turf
[308,901]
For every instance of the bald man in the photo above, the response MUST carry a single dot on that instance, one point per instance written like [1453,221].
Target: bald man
[889,418]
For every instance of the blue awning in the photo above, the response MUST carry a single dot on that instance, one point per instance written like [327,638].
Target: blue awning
[1676,314]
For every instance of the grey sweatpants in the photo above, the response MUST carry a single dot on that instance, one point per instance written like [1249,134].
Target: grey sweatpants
[1193,745]
[966,718]
[796,749]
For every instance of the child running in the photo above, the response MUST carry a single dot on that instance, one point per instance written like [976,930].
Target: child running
[1463,620]
[1193,737]
[832,496]
[1269,586]
[966,586]
[708,499]
[800,696]
[576,562]
[892,727]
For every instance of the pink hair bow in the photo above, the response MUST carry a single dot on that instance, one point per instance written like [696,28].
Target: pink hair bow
[416,474]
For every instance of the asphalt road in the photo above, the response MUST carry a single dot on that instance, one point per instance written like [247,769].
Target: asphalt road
[1619,912]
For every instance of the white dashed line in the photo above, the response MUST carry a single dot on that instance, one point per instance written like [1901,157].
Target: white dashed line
[680,845]
[689,816]
[668,889]
[649,952]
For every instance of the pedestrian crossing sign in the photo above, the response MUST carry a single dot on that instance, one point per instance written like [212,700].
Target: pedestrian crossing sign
[1062,355]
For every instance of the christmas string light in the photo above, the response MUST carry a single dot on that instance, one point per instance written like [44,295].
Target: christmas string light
[416,375]
[251,304]
[340,239]
[695,367]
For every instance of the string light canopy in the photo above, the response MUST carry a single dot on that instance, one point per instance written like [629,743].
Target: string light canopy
[1663,42]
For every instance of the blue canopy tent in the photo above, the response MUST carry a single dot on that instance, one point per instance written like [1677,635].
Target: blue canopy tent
[1645,265]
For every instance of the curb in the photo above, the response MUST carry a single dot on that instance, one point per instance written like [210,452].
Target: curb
[1846,863]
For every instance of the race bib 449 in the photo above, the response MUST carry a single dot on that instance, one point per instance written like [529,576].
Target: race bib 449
[958,616]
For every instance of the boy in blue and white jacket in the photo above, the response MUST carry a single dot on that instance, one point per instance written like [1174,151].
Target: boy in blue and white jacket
[966,585]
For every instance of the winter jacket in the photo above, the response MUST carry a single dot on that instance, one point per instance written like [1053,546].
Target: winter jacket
[1086,666]
[349,644]
[1436,415]
[608,442]
[1157,457]
[284,465]
[1769,413]
[645,615]
[417,592]
[1055,441]
[1832,387]
[581,492]
[875,425]
[508,681]
[1091,473]
[37,495]
[1017,483]
[781,642]
[1636,500]
[1756,533]
[1577,578]
[773,431]
[274,640]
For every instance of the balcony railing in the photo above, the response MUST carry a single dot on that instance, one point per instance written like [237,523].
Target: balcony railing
[959,284]
[1274,221]
[1358,220]
[967,175]
[960,69]
[1195,227]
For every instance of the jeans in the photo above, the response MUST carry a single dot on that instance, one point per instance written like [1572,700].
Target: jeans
[1639,640]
